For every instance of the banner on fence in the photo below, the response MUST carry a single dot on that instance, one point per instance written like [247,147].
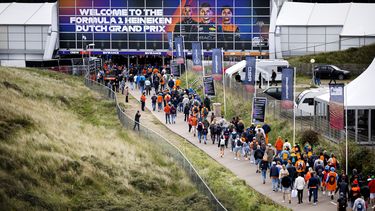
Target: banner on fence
[170,42]
[209,88]
[197,56]
[217,65]
[287,101]
[179,43]
[259,109]
[336,106]
[249,81]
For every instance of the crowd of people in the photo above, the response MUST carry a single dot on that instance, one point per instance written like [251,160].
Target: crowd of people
[292,169]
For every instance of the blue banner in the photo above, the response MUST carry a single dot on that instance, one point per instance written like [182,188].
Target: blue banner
[197,56]
[179,44]
[217,66]
[287,99]
[170,42]
[336,106]
[249,81]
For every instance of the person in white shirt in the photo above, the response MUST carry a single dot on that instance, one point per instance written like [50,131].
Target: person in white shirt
[299,185]
[287,144]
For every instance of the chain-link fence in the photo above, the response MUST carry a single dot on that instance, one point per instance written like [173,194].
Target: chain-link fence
[148,134]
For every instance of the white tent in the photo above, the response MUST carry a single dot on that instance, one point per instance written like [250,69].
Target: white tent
[359,92]
[235,68]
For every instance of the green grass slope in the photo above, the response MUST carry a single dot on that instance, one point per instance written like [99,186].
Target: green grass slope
[363,55]
[63,148]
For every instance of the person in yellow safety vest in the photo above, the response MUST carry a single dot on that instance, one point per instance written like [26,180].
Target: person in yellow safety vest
[331,182]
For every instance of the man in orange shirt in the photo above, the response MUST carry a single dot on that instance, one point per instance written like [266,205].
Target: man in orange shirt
[194,123]
[167,110]
[279,145]
[160,102]
[178,83]
[143,101]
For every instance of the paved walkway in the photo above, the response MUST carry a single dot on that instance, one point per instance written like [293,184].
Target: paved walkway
[243,169]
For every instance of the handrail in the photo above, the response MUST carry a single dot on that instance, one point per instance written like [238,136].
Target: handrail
[113,96]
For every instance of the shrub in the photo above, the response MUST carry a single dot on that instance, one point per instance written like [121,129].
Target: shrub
[309,136]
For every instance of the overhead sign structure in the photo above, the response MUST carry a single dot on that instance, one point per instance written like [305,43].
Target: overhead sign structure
[259,109]
[209,86]
[287,88]
[336,106]
[139,24]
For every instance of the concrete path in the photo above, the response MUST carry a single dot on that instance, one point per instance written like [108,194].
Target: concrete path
[243,169]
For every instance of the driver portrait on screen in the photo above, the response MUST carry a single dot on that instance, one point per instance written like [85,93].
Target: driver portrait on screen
[230,30]
[187,27]
[207,29]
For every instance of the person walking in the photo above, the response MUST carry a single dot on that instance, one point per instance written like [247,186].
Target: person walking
[279,146]
[299,185]
[371,186]
[260,80]
[274,175]
[126,94]
[222,146]
[263,167]
[359,204]
[313,185]
[153,102]
[194,123]
[143,101]
[258,155]
[332,76]
[136,120]
[173,112]
[237,149]
[273,77]
[160,101]
[167,111]
[286,184]
[331,182]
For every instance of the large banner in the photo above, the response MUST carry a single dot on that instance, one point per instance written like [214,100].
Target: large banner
[209,87]
[170,44]
[179,43]
[217,65]
[249,81]
[259,109]
[287,88]
[139,24]
[197,56]
[336,106]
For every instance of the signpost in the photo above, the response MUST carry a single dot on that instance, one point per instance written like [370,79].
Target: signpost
[209,87]
[259,109]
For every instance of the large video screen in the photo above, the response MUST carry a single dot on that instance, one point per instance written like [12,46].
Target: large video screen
[144,24]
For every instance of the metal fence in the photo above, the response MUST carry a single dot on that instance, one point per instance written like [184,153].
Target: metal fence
[148,134]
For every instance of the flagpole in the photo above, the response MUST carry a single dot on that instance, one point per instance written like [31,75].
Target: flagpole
[202,61]
[222,70]
[346,131]
[294,107]
[255,80]
[185,62]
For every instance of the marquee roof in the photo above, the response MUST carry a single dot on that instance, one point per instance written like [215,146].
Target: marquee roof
[359,92]
[26,13]
[355,18]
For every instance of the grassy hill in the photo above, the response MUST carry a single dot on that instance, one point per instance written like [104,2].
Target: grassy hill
[62,147]
[363,55]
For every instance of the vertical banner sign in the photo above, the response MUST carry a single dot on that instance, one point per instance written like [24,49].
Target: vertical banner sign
[209,88]
[249,81]
[259,109]
[197,56]
[217,66]
[336,106]
[178,41]
[170,42]
[287,101]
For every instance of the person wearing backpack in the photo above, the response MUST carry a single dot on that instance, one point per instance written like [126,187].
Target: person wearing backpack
[204,133]
[237,149]
[233,137]
[274,175]
[359,204]
[286,183]
[200,129]
[226,134]
[263,167]
[300,166]
[173,113]
[285,156]
[355,192]
[222,146]
[153,102]
[213,132]
[342,203]
[313,185]
[331,182]
[258,155]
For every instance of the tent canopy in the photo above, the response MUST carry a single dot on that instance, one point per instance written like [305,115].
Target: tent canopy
[26,14]
[359,92]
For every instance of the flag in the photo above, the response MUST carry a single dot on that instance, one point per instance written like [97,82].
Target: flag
[170,42]
[336,106]
[179,43]
[249,81]
[197,56]
[217,66]
[287,99]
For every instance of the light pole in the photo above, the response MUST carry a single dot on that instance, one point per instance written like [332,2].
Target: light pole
[312,61]
[83,38]
[260,25]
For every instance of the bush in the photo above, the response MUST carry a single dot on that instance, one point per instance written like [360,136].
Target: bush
[309,136]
